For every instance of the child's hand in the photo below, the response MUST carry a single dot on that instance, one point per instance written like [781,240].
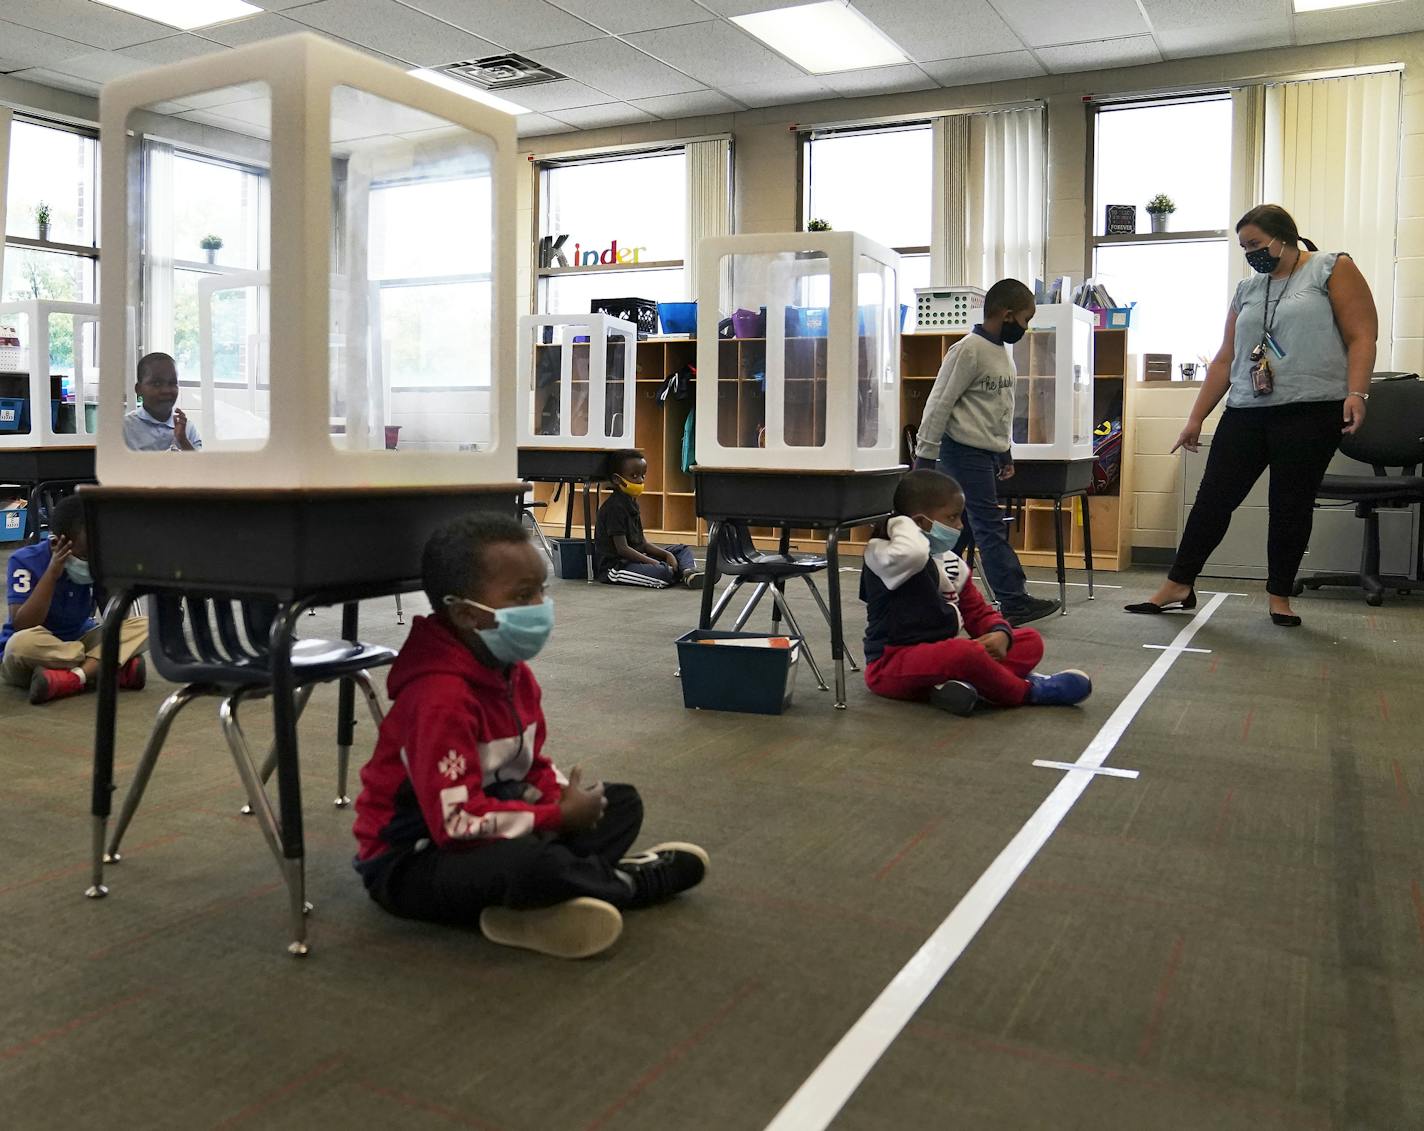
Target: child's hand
[995,643]
[180,430]
[61,550]
[1007,471]
[581,807]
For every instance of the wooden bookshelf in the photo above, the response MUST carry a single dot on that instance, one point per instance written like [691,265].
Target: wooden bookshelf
[668,504]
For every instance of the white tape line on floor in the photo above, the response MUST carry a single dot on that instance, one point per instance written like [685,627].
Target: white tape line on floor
[1109,771]
[837,1077]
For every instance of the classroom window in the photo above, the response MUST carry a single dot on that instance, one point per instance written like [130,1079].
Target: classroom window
[625,219]
[1180,278]
[877,182]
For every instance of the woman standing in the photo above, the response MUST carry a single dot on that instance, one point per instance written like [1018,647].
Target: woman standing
[1295,368]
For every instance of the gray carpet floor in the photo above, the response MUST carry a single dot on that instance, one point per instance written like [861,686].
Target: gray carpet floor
[1235,939]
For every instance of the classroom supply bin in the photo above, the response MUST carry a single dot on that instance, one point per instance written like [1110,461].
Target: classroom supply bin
[948,308]
[642,312]
[12,528]
[368,167]
[788,400]
[570,558]
[1053,392]
[576,381]
[678,317]
[59,344]
[723,677]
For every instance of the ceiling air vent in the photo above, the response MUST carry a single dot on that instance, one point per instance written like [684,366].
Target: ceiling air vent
[501,72]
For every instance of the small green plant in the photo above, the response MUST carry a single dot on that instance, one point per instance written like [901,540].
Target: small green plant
[1161,204]
[42,214]
[210,243]
[818,226]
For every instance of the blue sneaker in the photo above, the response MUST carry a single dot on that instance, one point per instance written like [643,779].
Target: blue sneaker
[1061,690]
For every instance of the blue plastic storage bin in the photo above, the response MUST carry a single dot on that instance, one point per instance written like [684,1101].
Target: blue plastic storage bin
[12,528]
[904,310]
[678,317]
[12,414]
[757,681]
[807,321]
[570,558]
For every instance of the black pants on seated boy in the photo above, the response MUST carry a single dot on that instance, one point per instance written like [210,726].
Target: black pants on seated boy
[624,554]
[462,818]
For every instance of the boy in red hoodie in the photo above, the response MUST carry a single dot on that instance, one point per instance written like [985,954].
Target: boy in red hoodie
[462,817]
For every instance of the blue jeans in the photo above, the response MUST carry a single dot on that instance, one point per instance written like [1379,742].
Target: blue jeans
[978,473]
[655,575]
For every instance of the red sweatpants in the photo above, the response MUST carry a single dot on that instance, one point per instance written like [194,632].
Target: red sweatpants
[909,671]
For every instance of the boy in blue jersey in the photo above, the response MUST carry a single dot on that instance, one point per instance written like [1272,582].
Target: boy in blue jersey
[51,640]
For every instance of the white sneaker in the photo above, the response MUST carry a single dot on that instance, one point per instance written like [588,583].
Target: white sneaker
[576,928]
[694,579]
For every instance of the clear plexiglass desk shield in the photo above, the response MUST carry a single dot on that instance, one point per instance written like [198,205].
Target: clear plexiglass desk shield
[809,378]
[1053,393]
[49,374]
[324,245]
[576,381]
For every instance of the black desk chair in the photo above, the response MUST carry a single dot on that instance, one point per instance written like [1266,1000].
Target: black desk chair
[739,559]
[220,648]
[44,497]
[1392,436]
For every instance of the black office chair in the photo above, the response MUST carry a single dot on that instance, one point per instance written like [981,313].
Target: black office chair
[220,648]
[1392,436]
[739,559]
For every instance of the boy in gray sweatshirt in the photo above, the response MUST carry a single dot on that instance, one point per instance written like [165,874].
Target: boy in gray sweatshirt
[968,428]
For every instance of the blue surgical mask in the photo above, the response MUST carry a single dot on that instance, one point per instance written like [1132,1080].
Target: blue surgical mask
[942,538]
[519,632]
[78,571]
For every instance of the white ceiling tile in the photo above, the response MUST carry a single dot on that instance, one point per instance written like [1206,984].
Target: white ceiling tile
[278,5]
[1224,38]
[1047,22]
[1355,23]
[879,80]
[395,30]
[520,26]
[563,95]
[1130,52]
[30,48]
[595,117]
[57,80]
[535,125]
[87,22]
[941,29]
[803,89]
[172,49]
[101,66]
[693,105]
[717,53]
[743,7]
[238,33]
[612,65]
[620,17]
[1205,15]
[1001,67]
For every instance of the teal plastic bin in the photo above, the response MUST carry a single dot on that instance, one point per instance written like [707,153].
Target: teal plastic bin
[756,681]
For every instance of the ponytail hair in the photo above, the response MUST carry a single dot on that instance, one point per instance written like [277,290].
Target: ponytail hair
[1277,223]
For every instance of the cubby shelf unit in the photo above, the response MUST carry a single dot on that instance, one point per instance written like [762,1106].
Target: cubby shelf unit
[668,504]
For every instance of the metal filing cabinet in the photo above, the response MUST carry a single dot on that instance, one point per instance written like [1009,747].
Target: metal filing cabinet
[1335,540]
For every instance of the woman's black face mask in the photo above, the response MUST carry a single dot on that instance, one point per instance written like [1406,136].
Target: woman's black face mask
[1262,260]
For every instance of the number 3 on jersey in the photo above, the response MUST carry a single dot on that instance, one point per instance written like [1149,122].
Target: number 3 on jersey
[20,581]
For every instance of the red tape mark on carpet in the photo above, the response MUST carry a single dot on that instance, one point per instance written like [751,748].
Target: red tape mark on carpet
[1418,907]
[463,1118]
[73,869]
[650,1077]
[44,1038]
[174,924]
[1159,1004]
[1246,725]
[1211,667]
[1399,784]
[262,1104]
[928,827]
[1384,707]
[1221,819]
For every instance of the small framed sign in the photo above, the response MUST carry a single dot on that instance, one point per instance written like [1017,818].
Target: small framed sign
[1121,220]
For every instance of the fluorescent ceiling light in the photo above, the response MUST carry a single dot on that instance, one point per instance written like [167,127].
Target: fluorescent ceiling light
[1326,5]
[473,93]
[823,38]
[186,14]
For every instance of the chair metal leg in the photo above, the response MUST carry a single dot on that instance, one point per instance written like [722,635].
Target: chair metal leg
[826,612]
[269,763]
[400,612]
[157,737]
[1088,542]
[102,781]
[750,606]
[242,757]
[343,752]
[724,599]
[1058,550]
[796,630]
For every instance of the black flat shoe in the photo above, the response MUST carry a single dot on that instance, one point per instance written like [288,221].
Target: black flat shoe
[1285,620]
[1151,608]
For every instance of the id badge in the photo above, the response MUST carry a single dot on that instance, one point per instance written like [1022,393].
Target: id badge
[1262,379]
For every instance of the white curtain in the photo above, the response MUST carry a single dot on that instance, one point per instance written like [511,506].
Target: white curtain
[949,218]
[709,199]
[157,248]
[1331,158]
[1005,197]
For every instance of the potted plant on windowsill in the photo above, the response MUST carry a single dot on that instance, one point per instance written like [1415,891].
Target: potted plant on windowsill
[211,245]
[42,219]
[1159,208]
[813,226]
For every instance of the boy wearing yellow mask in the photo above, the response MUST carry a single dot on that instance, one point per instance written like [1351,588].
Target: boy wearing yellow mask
[624,554]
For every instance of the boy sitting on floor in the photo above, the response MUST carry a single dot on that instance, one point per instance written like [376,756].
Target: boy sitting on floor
[462,818]
[920,598]
[624,555]
[51,640]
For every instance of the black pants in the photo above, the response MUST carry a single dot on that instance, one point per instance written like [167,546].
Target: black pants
[454,884]
[1297,442]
